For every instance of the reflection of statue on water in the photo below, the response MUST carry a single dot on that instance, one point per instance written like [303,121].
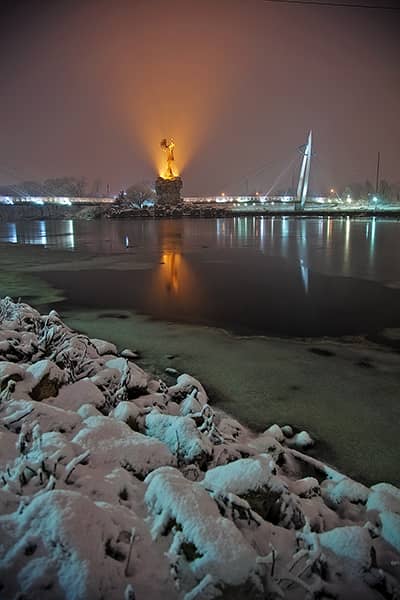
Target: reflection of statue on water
[168,186]
[172,261]
[168,147]
[174,290]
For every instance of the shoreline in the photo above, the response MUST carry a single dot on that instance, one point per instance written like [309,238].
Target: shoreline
[202,211]
[277,375]
[302,378]
[175,492]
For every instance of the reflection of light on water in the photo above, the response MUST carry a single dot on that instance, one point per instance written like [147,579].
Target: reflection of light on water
[320,227]
[372,239]
[42,233]
[262,232]
[219,229]
[347,243]
[284,234]
[172,265]
[304,275]
[272,228]
[174,285]
[329,227]
[285,226]
[303,233]
[173,282]
[43,236]
[224,233]
[12,233]
[70,239]
[242,227]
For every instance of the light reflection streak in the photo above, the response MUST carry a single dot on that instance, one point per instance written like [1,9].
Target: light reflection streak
[302,250]
[329,227]
[320,227]
[372,240]
[12,233]
[70,239]
[304,275]
[347,245]
[262,232]
[284,235]
[43,234]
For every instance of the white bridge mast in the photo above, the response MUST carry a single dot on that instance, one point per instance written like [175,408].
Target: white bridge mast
[302,186]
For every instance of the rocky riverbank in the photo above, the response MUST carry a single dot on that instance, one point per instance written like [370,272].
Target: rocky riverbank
[117,484]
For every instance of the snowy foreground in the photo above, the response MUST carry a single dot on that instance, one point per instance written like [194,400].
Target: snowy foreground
[115,486]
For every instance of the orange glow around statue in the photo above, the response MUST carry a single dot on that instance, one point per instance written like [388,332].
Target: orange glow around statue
[168,147]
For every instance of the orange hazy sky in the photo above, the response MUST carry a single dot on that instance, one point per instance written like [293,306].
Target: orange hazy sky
[90,87]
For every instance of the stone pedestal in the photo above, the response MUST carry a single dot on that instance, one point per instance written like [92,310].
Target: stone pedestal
[169,190]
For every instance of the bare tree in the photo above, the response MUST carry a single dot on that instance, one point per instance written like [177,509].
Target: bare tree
[137,194]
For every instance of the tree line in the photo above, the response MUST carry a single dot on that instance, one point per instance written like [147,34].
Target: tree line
[73,187]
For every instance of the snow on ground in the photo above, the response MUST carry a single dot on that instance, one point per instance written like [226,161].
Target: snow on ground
[115,485]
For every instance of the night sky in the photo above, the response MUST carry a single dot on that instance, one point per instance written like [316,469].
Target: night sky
[89,87]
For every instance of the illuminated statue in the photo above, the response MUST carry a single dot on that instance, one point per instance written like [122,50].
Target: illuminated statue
[168,147]
[169,184]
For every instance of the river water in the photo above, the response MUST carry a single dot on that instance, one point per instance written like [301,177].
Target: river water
[249,275]
[282,286]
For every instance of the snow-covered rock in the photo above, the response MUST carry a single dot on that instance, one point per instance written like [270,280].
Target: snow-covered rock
[276,432]
[306,488]
[76,394]
[287,430]
[254,479]
[190,405]
[88,410]
[185,384]
[113,442]
[103,347]
[204,543]
[137,378]
[150,401]
[127,412]
[131,354]
[50,418]
[266,443]
[345,489]
[351,543]
[384,497]
[46,379]
[242,476]
[10,370]
[181,436]
[61,546]
[301,440]
[390,528]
